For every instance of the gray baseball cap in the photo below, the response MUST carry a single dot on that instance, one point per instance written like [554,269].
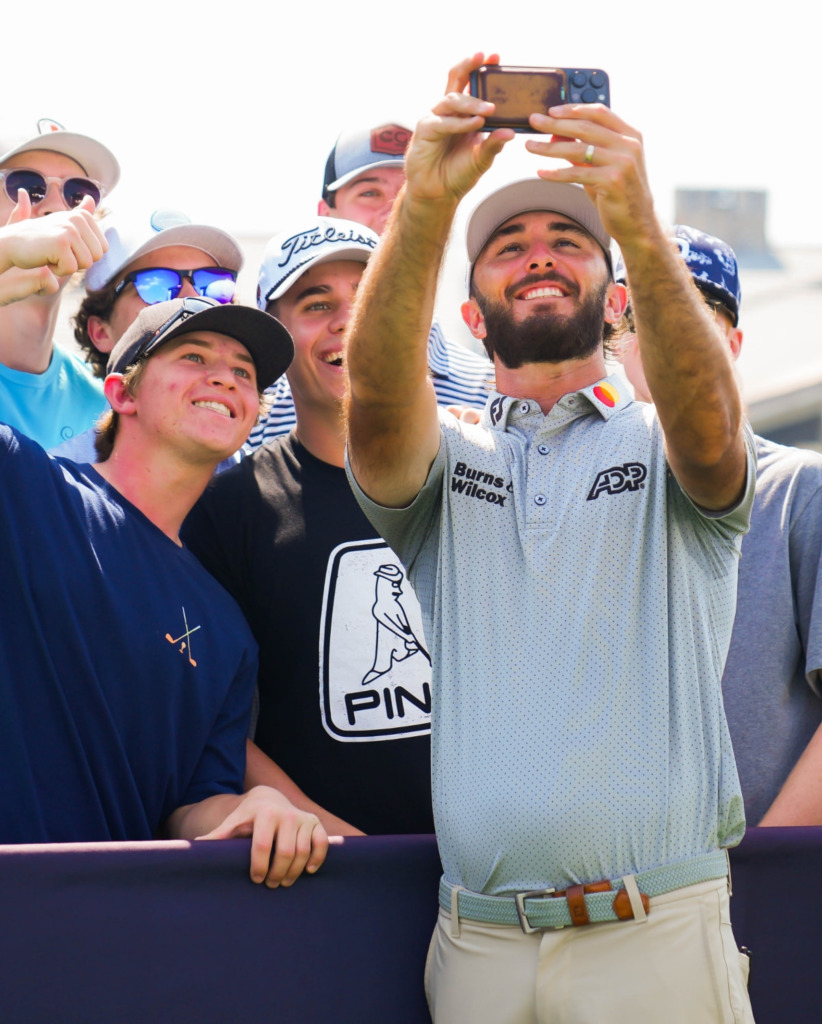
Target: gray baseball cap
[528,195]
[165,228]
[359,149]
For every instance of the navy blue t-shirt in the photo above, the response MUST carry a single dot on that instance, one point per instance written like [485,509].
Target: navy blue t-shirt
[126,671]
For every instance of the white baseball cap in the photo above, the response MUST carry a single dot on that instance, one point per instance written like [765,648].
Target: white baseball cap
[291,253]
[96,160]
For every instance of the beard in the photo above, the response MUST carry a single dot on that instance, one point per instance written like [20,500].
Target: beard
[545,336]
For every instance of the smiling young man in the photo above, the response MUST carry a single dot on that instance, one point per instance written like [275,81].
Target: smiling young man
[45,392]
[575,559]
[364,174]
[346,738]
[172,258]
[127,671]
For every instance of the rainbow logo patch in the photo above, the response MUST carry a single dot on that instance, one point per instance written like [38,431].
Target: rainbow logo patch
[607,394]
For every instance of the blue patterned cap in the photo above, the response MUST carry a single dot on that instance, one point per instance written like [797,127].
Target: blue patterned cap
[713,265]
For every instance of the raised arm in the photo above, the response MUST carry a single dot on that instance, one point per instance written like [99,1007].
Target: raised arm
[393,432]
[35,253]
[687,364]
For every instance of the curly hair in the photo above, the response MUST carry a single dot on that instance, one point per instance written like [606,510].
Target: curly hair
[99,304]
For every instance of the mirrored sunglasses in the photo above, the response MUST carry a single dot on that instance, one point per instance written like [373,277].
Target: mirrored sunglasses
[74,190]
[159,284]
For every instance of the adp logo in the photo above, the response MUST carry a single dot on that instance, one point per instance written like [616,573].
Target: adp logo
[617,479]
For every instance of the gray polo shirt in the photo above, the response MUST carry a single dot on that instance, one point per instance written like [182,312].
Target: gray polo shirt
[579,608]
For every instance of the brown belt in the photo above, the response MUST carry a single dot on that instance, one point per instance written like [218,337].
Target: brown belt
[575,898]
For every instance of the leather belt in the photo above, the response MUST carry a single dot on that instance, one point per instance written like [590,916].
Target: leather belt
[583,904]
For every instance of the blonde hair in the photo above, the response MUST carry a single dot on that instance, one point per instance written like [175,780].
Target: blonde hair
[107,424]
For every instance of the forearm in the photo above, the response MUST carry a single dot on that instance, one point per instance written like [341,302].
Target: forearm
[800,800]
[262,771]
[388,337]
[393,431]
[689,372]
[193,820]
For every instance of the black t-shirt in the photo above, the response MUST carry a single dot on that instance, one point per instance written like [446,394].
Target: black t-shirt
[345,675]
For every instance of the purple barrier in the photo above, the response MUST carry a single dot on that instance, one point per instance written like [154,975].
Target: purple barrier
[777,913]
[175,932]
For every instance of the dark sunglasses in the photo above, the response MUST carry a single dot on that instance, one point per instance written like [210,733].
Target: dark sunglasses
[159,284]
[716,306]
[36,184]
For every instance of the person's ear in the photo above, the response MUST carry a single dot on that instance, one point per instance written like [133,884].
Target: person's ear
[616,302]
[100,334]
[472,315]
[119,397]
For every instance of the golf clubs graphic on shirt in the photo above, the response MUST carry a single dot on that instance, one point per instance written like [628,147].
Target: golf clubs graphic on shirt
[185,636]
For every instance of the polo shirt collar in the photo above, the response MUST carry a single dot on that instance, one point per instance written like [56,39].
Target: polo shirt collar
[607,397]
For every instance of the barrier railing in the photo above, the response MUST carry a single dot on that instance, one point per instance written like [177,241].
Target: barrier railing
[176,932]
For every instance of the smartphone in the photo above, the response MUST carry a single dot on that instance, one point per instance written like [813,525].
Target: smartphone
[520,92]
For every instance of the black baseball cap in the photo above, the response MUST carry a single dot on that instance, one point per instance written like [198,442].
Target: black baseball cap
[268,342]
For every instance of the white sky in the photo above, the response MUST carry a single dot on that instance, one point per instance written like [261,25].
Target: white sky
[227,111]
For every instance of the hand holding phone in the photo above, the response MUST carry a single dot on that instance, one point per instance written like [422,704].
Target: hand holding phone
[519,92]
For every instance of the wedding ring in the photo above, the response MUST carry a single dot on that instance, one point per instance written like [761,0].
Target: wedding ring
[589,155]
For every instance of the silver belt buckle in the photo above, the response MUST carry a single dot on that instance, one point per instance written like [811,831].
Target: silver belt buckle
[519,903]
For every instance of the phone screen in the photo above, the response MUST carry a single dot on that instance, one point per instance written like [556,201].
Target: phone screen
[520,92]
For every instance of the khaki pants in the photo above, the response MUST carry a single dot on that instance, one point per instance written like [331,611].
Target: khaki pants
[680,966]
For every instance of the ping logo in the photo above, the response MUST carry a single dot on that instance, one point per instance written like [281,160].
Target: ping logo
[629,477]
[375,669]
[390,139]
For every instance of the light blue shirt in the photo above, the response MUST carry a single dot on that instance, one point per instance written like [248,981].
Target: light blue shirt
[53,406]
[579,609]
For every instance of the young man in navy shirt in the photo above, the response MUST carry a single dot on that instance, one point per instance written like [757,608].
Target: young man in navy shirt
[128,672]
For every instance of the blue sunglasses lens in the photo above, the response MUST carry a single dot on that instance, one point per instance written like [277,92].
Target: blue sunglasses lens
[160,285]
[214,283]
[157,285]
